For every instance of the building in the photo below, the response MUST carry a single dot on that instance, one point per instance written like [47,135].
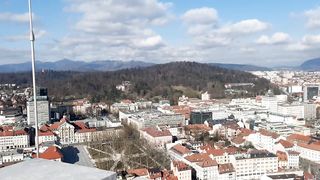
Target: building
[199,116]
[254,164]
[309,151]
[310,111]
[10,157]
[270,102]
[13,139]
[156,137]
[77,132]
[53,170]
[181,170]
[310,91]
[52,153]
[227,172]
[152,118]
[296,110]
[205,96]
[43,110]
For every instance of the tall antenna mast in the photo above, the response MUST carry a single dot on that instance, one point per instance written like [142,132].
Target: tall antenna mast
[32,39]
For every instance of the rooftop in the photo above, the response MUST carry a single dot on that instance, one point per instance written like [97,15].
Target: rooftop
[53,170]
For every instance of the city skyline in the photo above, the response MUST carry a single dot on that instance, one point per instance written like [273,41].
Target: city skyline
[262,33]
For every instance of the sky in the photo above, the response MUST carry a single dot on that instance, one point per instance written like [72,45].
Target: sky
[265,32]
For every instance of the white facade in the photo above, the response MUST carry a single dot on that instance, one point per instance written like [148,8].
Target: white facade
[47,137]
[293,160]
[10,157]
[206,173]
[13,142]
[183,173]
[253,167]
[42,109]
[270,102]
[310,152]
[296,110]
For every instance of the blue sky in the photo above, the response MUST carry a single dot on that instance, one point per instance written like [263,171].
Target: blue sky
[266,32]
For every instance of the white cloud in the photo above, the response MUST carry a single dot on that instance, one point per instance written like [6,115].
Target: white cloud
[244,27]
[114,29]
[276,38]
[12,17]
[311,39]
[313,18]
[119,16]
[38,34]
[298,47]
[150,42]
[201,16]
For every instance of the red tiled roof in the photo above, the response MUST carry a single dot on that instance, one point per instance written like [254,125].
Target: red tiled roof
[293,152]
[299,138]
[52,153]
[44,128]
[232,150]
[197,127]
[181,166]
[207,163]
[238,140]
[13,133]
[82,128]
[233,126]
[156,133]
[47,133]
[206,147]
[311,146]
[56,125]
[268,133]
[282,156]
[226,168]
[138,172]
[181,149]
[198,157]
[246,132]
[285,144]
[217,152]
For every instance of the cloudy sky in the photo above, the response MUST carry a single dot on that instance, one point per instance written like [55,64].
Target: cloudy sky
[264,32]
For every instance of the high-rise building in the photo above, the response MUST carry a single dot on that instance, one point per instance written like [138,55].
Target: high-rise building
[42,108]
[270,101]
[310,90]
[199,117]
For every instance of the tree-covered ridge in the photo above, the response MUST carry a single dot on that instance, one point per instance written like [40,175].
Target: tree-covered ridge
[146,82]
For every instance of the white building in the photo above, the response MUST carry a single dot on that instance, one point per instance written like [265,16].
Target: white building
[181,170]
[12,139]
[156,137]
[227,172]
[205,96]
[254,164]
[42,109]
[309,151]
[296,110]
[310,111]
[10,156]
[270,102]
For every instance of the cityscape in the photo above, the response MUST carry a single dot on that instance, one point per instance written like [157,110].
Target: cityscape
[133,97]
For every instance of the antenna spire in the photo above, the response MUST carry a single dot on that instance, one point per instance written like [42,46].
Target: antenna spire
[32,39]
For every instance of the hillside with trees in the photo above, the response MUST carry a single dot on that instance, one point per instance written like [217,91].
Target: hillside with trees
[148,82]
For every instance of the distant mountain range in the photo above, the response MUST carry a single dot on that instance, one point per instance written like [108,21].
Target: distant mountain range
[113,65]
[241,67]
[311,65]
[71,65]
[107,65]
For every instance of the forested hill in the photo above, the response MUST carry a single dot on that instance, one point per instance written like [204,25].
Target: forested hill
[146,82]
